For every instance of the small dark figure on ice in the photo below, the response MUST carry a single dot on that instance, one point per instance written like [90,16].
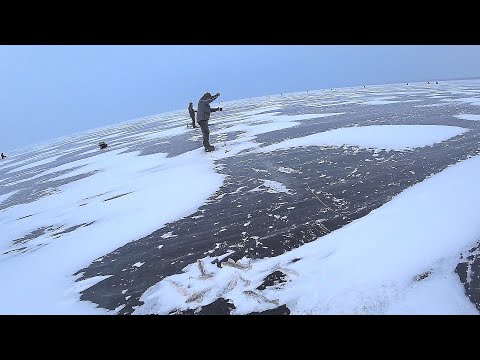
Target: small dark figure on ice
[203,115]
[3,156]
[102,144]
[192,113]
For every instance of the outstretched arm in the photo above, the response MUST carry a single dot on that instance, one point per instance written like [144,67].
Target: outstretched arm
[213,97]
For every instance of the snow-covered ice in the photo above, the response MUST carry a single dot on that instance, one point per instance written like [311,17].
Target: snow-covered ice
[398,259]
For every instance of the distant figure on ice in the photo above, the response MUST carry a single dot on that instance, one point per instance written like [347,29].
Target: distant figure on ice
[192,113]
[102,144]
[3,156]
[203,115]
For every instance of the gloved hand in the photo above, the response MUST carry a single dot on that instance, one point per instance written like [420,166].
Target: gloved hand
[220,109]
[217,94]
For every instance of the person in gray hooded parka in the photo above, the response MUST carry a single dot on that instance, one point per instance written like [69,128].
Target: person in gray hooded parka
[203,115]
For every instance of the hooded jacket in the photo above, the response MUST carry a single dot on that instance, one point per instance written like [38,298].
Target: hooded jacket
[204,109]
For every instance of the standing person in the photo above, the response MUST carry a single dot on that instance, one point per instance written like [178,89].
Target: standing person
[203,115]
[3,156]
[192,113]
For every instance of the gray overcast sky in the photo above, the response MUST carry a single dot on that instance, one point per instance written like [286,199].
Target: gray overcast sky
[52,91]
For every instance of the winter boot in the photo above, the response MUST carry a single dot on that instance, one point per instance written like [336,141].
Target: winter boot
[209,148]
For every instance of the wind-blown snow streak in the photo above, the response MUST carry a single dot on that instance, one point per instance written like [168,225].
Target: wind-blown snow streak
[468,100]
[6,196]
[380,102]
[165,133]
[29,166]
[390,137]
[468,117]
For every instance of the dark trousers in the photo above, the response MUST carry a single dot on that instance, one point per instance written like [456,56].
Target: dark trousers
[193,120]
[205,132]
